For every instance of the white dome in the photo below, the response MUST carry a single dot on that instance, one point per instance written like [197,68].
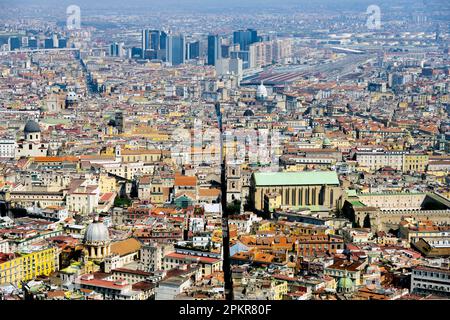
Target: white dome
[96,232]
[261,91]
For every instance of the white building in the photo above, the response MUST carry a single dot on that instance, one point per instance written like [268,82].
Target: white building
[31,145]
[83,198]
[8,148]
[430,280]
[377,159]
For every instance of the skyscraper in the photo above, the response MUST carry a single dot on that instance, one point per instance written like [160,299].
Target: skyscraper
[154,43]
[62,43]
[245,38]
[14,43]
[48,43]
[176,49]
[32,43]
[55,41]
[145,39]
[116,49]
[214,49]
[193,50]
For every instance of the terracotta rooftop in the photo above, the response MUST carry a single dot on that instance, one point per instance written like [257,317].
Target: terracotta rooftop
[125,247]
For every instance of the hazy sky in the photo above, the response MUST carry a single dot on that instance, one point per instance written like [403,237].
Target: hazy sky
[213,4]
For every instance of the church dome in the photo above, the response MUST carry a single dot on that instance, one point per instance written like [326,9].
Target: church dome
[31,126]
[249,113]
[261,91]
[96,232]
[345,284]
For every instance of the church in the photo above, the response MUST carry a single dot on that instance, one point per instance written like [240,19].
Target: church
[31,144]
[296,189]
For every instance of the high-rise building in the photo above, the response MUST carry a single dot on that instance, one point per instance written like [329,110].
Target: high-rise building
[55,41]
[32,43]
[154,43]
[225,51]
[214,49]
[245,38]
[281,50]
[236,67]
[148,43]
[162,40]
[260,54]
[14,43]
[136,52]
[176,49]
[48,43]
[116,49]
[62,43]
[242,55]
[252,56]
[145,39]
[193,50]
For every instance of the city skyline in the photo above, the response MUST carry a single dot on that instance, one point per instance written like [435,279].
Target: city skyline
[225,150]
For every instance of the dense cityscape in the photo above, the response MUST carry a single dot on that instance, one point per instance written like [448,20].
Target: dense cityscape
[234,150]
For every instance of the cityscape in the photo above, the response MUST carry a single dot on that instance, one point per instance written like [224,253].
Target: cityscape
[225,150]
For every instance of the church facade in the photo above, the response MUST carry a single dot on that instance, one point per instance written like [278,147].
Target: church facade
[31,144]
[296,189]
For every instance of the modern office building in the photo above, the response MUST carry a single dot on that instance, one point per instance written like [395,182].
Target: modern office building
[48,43]
[245,38]
[214,49]
[116,49]
[55,41]
[154,44]
[176,49]
[14,43]
[193,50]
[62,43]
[242,55]
[32,43]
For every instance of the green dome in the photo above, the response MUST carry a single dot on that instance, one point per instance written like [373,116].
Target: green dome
[326,142]
[345,283]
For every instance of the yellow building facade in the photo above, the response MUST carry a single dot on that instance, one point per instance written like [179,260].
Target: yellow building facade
[415,162]
[28,266]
